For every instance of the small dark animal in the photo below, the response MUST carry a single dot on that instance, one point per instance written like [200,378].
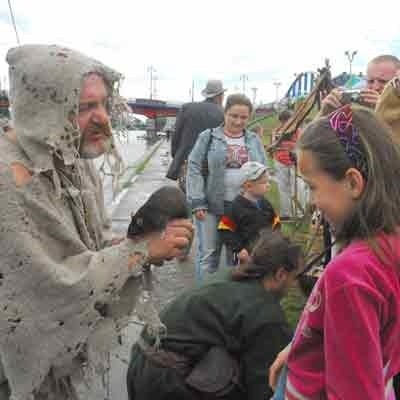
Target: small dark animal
[163,205]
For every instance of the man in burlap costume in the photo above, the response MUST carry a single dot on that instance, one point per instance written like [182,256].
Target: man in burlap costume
[63,276]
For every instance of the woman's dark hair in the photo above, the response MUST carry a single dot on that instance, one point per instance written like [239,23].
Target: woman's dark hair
[378,209]
[238,99]
[271,252]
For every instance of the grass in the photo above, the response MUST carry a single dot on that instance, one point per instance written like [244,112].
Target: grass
[138,169]
[294,302]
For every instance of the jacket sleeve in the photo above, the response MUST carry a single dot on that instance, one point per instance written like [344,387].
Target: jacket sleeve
[246,230]
[50,288]
[177,136]
[247,225]
[195,184]
[231,240]
[264,346]
[263,156]
[352,337]
[275,220]
[228,231]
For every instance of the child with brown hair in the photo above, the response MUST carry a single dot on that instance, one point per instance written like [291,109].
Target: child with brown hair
[347,344]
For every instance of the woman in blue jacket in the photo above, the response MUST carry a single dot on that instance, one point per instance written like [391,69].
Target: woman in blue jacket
[213,177]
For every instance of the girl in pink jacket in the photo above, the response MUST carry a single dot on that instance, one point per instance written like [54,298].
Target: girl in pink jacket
[347,343]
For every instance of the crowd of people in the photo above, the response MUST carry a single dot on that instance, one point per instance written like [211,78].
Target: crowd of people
[66,279]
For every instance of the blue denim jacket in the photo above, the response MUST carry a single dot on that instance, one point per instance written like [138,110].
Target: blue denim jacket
[208,193]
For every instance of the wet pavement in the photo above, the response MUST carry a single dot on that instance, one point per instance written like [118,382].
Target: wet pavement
[131,145]
[173,276]
[169,280]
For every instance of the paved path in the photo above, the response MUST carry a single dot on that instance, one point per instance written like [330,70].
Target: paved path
[170,279]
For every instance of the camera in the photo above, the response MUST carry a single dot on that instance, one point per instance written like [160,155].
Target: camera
[352,96]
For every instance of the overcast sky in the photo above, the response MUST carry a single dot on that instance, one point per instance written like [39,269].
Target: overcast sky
[184,40]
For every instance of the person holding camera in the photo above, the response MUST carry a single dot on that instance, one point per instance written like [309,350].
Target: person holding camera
[380,71]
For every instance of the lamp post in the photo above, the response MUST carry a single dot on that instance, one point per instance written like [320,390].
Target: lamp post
[350,57]
[254,90]
[277,84]
[191,91]
[243,79]
[155,78]
[151,69]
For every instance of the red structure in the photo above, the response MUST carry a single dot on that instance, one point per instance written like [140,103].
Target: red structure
[154,108]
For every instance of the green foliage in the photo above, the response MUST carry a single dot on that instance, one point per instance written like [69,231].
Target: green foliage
[293,304]
[295,300]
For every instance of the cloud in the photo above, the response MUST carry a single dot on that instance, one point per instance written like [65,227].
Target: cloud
[219,39]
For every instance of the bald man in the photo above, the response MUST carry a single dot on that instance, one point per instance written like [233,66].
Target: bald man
[380,70]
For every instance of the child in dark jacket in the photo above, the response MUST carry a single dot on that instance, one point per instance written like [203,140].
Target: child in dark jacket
[249,214]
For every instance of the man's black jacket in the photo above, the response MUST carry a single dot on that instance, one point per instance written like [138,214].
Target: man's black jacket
[192,119]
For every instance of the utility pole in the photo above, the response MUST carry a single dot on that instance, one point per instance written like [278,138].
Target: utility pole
[243,79]
[191,91]
[151,69]
[277,84]
[155,79]
[350,57]
[254,90]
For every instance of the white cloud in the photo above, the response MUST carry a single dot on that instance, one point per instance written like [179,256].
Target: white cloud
[219,38]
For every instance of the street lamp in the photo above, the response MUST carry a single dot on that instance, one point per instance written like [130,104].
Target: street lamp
[191,91]
[277,84]
[350,58]
[243,79]
[155,78]
[151,69]
[254,89]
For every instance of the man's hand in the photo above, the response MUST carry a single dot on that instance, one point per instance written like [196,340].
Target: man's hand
[200,214]
[332,101]
[277,365]
[170,244]
[369,97]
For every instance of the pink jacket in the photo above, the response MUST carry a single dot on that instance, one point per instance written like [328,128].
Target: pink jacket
[347,344]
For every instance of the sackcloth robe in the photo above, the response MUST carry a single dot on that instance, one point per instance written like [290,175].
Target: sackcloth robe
[65,292]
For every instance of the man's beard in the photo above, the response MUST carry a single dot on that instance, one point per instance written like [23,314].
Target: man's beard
[92,150]
[89,150]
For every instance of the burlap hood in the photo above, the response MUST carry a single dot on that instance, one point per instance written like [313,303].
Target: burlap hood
[45,85]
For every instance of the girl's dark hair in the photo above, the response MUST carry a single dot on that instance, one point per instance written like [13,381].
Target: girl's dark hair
[271,252]
[378,209]
[238,99]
